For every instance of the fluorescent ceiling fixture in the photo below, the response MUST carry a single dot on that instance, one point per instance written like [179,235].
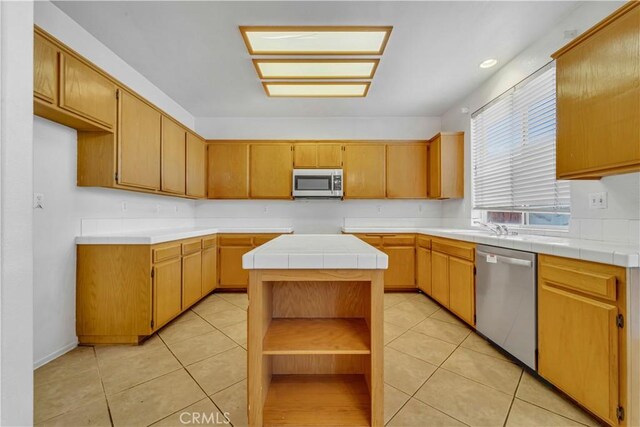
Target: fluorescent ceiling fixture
[308,40]
[317,89]
[488,63]
[316,68]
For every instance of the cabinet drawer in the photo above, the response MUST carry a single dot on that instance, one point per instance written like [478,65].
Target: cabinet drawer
[599,280]
[454,248]
[372,240]
[424,242]
[235,241]
[399,240]
[167,252]
[191,246]
[209,241]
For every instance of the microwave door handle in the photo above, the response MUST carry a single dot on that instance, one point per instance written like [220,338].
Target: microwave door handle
[331,183]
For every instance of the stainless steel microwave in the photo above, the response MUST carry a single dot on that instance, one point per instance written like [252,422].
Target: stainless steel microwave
[317,183]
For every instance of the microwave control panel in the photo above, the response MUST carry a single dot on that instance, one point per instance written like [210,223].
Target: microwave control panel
[337,182]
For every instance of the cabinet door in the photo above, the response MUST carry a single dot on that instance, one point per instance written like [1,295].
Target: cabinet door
[270,171]
[440,278]
[305,156]
[598,100]
[167,280]
[329,155]
[173,156]
[401,271]
[578,348]
[209,269]
[364,171]
[435,170]
[228,172]
[86,92]
[232,275]
[462,289]
[196,166]
[424,270]
[45,70]
[407,171]
[139,143]
[191,279]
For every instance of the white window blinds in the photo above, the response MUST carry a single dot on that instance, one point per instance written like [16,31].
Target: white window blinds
[514,149]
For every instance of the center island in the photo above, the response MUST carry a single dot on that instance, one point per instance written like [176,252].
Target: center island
[315,338]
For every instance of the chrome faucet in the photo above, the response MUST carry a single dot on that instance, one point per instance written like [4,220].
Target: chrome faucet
[497,229]
[490,226]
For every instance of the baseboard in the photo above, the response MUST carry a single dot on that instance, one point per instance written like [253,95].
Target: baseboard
[67,348]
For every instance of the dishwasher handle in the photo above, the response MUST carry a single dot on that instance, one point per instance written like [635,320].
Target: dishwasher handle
[508,260]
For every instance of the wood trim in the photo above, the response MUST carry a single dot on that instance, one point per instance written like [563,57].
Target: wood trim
[256,63]
[320,141]
[596,28]
[305,83]
[317,28]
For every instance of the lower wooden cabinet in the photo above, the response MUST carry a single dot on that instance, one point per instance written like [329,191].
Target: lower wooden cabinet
[453,277]
[166,291]
[581,338]
[231,275]
[401,250]
[191,279]
[440,278]
[423,264]
[127,292]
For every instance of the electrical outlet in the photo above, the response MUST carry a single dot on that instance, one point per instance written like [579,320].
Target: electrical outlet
[124,206]
[598,200]
[38,201]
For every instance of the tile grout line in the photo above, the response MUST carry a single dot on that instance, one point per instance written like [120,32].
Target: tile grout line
[220,330]
[95,355]
[195,381]
[513,400]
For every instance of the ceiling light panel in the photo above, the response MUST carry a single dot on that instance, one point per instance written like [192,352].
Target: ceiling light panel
[316,40]
[316,68]
[317,89]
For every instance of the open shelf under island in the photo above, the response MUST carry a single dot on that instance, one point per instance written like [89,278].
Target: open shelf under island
[315,339]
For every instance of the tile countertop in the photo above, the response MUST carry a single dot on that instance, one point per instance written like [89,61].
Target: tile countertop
[315,251]
[151,237]
[621,254]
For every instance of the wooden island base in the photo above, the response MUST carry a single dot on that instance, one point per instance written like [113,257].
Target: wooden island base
[315,348]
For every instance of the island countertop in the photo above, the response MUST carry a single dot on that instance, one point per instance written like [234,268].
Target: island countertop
[315,251]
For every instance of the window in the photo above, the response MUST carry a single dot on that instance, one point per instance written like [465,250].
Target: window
[514,156]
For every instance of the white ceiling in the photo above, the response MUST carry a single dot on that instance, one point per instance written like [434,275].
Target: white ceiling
[194,52]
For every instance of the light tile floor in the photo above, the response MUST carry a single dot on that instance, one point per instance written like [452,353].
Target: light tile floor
[437,372]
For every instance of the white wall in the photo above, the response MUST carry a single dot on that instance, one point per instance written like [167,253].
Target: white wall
[321,216]
[54,174]
[620,220]
[317,128]
[16,246]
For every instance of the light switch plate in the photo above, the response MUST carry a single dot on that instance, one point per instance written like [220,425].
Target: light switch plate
[598,200]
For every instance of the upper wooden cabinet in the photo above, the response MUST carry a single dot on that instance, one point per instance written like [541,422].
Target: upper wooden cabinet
[317,155]
[45,70]
[406,171]
[86,92]
[173,156]
[270,171]
[124,142]
[139,141]
[196,166]
[364,171]
[69,90]
[446,166]
[581,332]
[598,99]
[228,174]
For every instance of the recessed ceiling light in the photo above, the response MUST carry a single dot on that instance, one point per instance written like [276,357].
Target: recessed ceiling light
[313,40]
[488,63]
[316,68]
[317,89]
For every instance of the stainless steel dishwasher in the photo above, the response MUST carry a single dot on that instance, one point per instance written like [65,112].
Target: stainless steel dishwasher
[506,300]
